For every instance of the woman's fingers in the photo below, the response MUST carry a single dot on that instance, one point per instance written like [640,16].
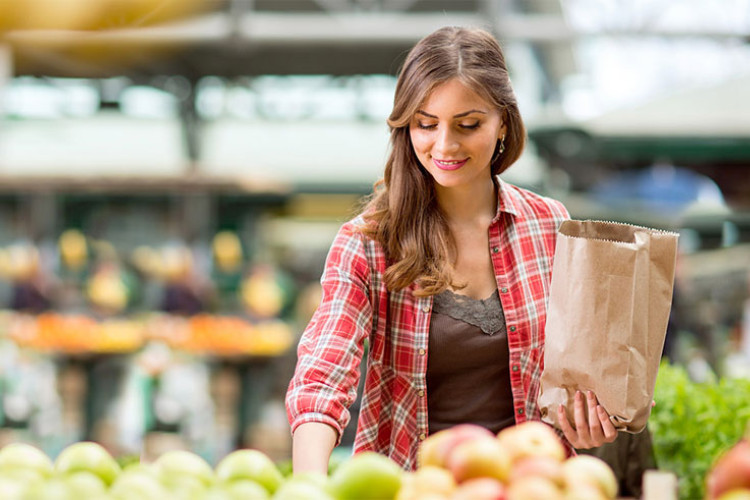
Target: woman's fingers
[610,433]
[581,420]
[565,426]
[595,424]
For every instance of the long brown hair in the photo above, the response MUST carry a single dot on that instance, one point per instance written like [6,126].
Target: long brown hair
[402,214]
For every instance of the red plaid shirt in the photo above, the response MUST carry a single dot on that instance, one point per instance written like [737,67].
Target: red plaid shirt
[356,306]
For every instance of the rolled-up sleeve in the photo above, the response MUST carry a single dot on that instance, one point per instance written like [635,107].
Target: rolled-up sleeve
[329,353]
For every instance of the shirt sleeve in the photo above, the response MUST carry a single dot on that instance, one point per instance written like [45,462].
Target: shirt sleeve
[330,350]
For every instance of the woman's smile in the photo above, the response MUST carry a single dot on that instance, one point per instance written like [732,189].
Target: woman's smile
[449,164]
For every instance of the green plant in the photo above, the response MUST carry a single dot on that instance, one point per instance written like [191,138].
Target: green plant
[693,423]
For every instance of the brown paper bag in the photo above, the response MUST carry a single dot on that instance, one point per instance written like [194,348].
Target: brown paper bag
[609,304]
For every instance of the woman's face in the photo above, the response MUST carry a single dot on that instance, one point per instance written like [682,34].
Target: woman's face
[454,133]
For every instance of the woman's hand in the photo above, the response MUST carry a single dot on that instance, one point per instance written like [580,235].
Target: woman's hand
[589,432]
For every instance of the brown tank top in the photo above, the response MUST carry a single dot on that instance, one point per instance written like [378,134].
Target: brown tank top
[468,380]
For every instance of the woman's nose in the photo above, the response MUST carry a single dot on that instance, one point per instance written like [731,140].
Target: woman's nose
[446,142]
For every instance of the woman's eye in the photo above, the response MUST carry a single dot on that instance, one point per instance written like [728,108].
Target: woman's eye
[469,126]
[426,126]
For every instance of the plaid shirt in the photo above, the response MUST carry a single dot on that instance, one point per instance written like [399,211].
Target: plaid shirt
[356,306]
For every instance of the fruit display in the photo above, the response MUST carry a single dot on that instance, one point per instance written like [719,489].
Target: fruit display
[85,470]
[199,334]
[524,462]
[729,478]
[222,335]
[76,333]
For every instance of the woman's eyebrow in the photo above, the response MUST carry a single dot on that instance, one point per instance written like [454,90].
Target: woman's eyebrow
[459,115]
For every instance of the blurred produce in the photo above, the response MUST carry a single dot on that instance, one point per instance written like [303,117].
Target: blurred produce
[730,475]
[91,14]
[523,462]
[694,423]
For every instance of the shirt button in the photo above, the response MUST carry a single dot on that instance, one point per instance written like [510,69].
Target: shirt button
[515,368]
[421,393]
[512,328]
[426,309]
[422,437]
[495,249]
[421,352]
[520,411]
[504,290]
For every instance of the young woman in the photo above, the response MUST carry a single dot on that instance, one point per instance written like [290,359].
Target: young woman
[445,273]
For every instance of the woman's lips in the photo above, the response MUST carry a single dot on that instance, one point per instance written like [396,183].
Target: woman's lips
[449,164]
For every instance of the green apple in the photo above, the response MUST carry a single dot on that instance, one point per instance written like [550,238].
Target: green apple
[301,489]
[11,488]
[367,475]
[137,484]
[245,489]
[177,465]
[25,456]
[250,464]
[88,456]
[86,484]
[52,489]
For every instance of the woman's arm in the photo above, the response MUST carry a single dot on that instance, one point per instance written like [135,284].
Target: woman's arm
[312,444]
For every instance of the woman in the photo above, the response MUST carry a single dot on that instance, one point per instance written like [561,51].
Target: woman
[446,274]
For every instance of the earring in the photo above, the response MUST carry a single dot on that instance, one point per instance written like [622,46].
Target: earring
[500,149]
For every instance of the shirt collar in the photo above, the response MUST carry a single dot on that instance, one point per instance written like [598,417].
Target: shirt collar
[504,200]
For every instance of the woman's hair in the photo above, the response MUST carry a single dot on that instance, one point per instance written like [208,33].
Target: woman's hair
[402,213]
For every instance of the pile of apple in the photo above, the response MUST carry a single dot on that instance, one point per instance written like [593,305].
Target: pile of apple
[86,471]
[524,462]
[729,478]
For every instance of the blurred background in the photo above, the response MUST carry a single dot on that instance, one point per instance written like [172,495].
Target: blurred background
[172,173]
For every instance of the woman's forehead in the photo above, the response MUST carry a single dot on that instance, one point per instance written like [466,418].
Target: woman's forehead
[453,96]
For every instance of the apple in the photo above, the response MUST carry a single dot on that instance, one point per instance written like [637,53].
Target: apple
[482,488]
[425,482]
[435,449]
[367,475]
[534,488]
[731,471]
[736,494]
[176,466]
[11,488]
[538,466]
[250,464]
[529,439]
[301,489]
[88,456]
[85,484]
[479,457]
[246,490]
[138,484]
[52,489]
[584,491]
[587,468]
[25,456]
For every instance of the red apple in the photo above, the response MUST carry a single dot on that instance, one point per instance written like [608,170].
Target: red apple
[530,439]
[435,449]
[539,466]
[740,494]
[587,468]
[534,488]
[731,471]
[479,457]
[483,488]
[425,482]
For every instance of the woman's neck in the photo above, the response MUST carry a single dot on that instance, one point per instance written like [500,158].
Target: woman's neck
[468,204]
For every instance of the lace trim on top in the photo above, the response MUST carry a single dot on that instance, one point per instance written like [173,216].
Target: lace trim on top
[485,314]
